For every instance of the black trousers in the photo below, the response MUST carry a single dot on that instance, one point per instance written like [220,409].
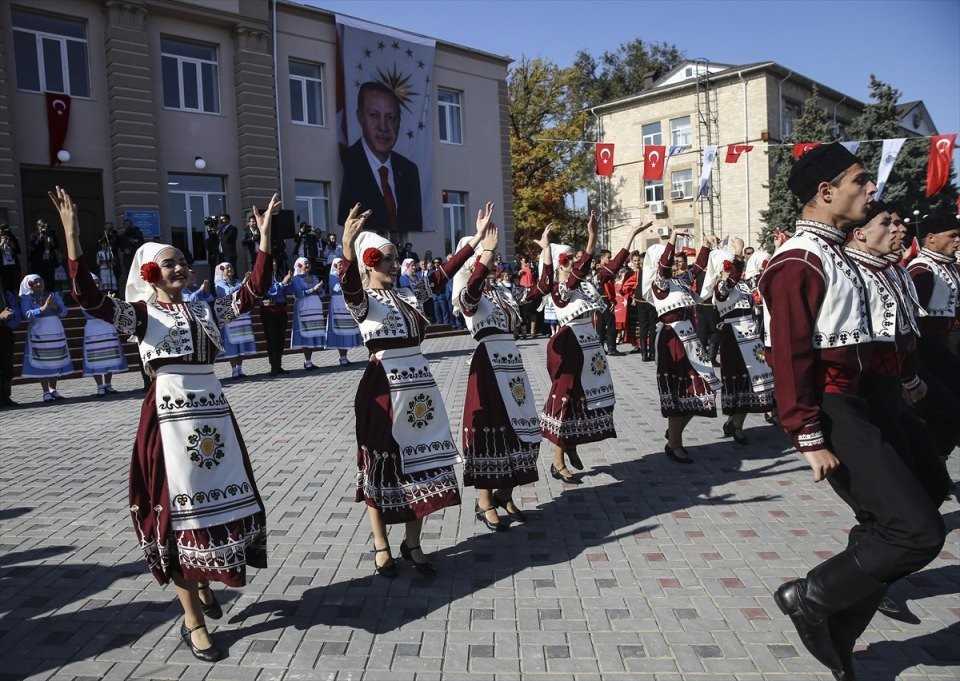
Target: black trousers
[275,330]
[6,363]
[708,319]
[899,529]
[607,327]
[647,326]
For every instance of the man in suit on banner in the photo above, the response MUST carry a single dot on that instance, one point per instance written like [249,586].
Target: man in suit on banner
[374,175]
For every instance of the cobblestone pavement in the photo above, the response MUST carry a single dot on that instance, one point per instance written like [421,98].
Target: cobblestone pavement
[649,570]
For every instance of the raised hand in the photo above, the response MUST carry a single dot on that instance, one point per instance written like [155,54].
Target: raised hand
[592,224]
[544,241]
[68,217]
[711,240]
[643,227]
[352,227]
[263,219]
[484,218]
[490,235]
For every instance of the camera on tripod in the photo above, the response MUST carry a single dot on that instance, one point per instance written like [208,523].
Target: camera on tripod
[212,223]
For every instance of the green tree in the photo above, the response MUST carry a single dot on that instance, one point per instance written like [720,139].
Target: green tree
[783,209]
[546,167]
[622,72]
[906,186]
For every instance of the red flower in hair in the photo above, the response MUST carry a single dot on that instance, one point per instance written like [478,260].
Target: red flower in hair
[563,259]
[727,265]
[372,257]
[150,272]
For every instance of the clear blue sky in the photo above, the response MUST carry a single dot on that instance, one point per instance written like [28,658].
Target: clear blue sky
[914,45]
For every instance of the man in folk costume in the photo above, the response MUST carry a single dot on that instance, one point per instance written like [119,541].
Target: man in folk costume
[501,429]
[820,329]
[606,323]
[744,372]
[579,406]
[935,276]
[685,378]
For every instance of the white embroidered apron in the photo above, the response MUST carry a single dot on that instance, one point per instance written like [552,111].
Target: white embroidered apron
[514,386]
[101,346]
[206,478]
[692,347]
[48,343]
[747,332]
[420,424]
[595,372]
[310,315]
[343,322]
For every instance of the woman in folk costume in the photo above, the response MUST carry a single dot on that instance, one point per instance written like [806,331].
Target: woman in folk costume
[405,452]
[107,264]
[342,331]
[45,356]
[103,354]
[685,377]
[746,378]
[195,505]
[501,429]
[579,406]
[237,334]
[309,320]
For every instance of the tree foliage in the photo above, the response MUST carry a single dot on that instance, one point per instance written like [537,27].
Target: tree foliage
[621,73]
[783,208]
[906,186]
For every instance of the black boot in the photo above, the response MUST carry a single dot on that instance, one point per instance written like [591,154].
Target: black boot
[832,587]
[847,626]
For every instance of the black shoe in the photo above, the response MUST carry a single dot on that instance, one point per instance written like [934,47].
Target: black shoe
[390,569]
[740,438]
[845,675]
[211,609]
[569,479]
[889,607]
[517,516]
[274,372]
[648,357]
[211,654]
[811,625]
[637,350]
[728,429]
[575,460]
[481,514]
[672,455]
[614,353]
[425,568]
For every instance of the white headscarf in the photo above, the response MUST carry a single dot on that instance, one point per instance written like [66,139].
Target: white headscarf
[756,264]
[651,263]
[335,262]
[25,289]
[365,241]
[405,265]
[137,289]
[221,272]
[462,277]
[298,265]
[556,250]
[714,272]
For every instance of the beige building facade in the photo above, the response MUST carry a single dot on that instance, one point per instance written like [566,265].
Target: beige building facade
[182,109]
[699,104]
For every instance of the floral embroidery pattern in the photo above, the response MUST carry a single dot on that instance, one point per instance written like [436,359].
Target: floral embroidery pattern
[598,364]
[518,390]
[205,447]
[420,411]
[212,495]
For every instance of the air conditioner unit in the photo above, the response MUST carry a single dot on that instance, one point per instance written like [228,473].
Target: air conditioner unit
[663,231]
[657,207]
[677,194]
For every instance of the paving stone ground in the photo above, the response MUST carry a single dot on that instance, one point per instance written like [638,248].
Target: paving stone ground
[648,571]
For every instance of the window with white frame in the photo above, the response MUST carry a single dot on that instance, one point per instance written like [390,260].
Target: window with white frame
[681,182]
[190,80]
[652,191]
[791,112]
[451,128]
[50,54]
[306,93]
[454,218]
[680,131]
[191,199]
[313,203]
[651,134]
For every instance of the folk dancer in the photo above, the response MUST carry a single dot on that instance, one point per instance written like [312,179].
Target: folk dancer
[309,320]
[237,334]
[46,355]
[820,331]
[342,330]
[103,355]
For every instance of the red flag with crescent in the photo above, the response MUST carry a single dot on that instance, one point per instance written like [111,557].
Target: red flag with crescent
[938,167]
[735,150]
[653,161]
[58,120]
[604,159]
[800,148]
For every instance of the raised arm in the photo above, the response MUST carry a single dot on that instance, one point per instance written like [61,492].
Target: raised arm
[438,278]
[591,233]
[350,281]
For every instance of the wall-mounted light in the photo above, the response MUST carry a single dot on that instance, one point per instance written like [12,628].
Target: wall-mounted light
[63,156]
[199,163]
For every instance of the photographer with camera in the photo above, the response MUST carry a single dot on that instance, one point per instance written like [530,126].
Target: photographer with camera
[251,239]
[9,259]
[305,244]
[228,240]
[44,256]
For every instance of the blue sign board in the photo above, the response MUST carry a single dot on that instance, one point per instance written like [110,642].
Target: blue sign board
[147,220]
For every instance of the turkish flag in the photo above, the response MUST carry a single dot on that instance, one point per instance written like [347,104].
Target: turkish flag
[938,167]
[801,148]
[653,161]
[734,151]
[604,159]
[58,120]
